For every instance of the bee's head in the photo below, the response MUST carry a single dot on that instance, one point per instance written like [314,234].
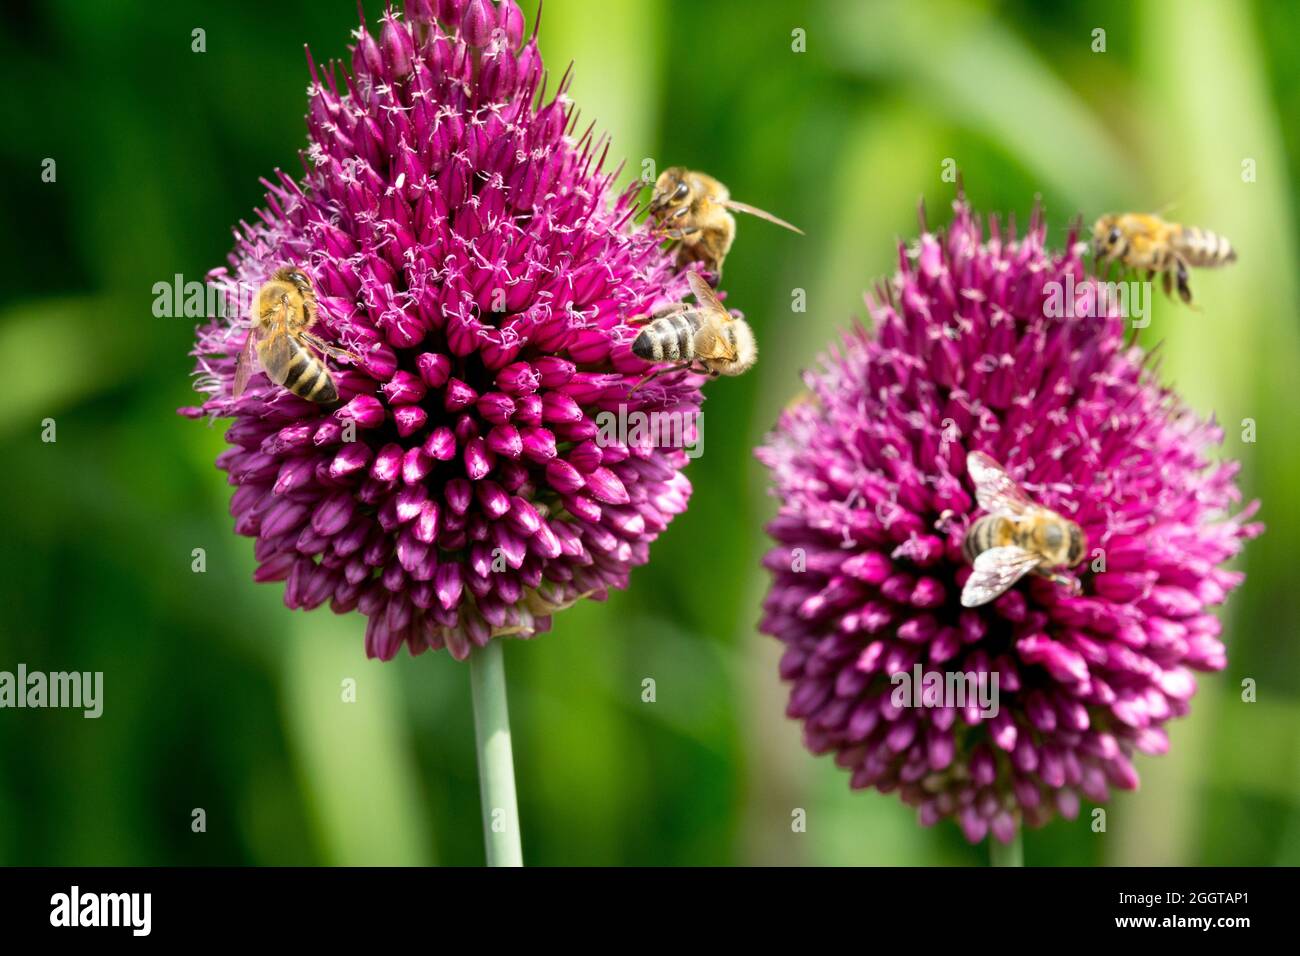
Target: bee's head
[299,278]
[293,275]
[1078,543]
[1106,235]
[746,348]
[671,188]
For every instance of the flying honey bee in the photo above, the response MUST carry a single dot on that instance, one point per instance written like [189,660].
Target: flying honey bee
[1016,537]
[1147,243]
[804,398]
[280,341]
[722,343]
[693,208]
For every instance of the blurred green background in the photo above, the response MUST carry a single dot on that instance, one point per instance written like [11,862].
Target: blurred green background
[219,698]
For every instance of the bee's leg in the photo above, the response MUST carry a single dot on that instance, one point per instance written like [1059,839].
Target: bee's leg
[1064,580]
[677,308]
[685,235]
[941,523]
[660,313]
[1184,289]
[1167,283]
[699,368]
[326,349]
[687,253]
[294,320]
[657,372]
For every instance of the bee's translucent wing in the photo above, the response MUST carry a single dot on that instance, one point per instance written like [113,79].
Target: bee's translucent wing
[760,213]
[541,607]
[995,570]
[246,364]
[705,295]
[709,344]
[995,490]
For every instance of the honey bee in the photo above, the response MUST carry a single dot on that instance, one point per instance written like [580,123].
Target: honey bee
[1016,537]
[1143,241]
[538,605]
[693,208]
[280,341]
[722,343]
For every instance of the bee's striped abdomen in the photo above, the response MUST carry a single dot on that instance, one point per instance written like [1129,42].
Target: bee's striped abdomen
[307,376]
[987,532]
[668,339]
[1205,249]
[289,363]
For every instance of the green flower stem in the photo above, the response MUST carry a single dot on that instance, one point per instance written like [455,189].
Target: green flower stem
[1007,854]
[496,767]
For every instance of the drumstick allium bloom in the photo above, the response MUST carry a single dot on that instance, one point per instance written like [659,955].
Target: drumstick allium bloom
[466,246]
[968,354]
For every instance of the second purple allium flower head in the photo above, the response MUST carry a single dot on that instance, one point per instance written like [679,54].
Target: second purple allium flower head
[466,246]
[875,499]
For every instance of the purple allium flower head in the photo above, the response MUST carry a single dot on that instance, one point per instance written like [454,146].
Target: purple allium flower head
[467,247]
[870,471]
